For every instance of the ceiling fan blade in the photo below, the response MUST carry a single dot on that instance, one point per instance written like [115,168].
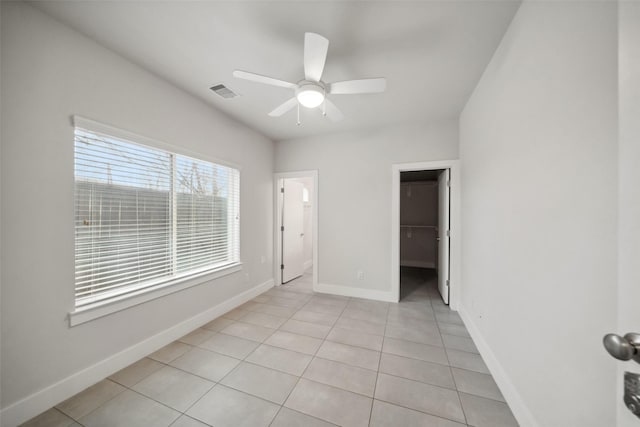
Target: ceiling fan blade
[376,85]
[315,55]
[284,107]
[332,111]
[263,79]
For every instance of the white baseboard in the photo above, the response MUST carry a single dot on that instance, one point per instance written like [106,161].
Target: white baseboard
[520,410]
[349,291]
[50,396]
[308,264]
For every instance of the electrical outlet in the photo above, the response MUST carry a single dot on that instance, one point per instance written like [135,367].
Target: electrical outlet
[263,259]
[360,275]
[246,278]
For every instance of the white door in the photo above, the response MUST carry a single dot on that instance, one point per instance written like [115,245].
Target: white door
[292,231]
[443,235]
[629,195]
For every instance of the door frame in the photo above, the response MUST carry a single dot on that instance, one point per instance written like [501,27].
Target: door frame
[277,221]
[454,225]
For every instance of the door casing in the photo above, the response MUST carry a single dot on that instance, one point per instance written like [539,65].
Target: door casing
[454,224]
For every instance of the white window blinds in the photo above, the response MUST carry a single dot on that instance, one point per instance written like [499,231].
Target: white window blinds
[145,216]
[207,217]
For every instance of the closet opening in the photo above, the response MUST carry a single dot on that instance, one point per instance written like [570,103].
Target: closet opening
[424,232]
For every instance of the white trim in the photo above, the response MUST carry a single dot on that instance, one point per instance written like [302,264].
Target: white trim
[308,264]
[520,410]
[46,398]
[104,308]
[98,306]
[277,243]
[455,243]
[350,291]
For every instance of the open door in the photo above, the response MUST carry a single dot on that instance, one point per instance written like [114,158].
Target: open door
[629,211]
[443,234]
[292,230]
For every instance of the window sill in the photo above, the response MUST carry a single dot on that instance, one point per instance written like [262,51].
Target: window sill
[104,308]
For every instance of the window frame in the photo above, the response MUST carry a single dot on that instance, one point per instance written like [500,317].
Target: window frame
[163,286]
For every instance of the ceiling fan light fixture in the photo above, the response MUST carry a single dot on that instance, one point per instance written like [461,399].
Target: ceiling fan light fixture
[312,91]
[310,95]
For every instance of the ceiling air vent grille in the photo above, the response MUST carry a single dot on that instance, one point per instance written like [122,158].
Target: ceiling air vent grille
[223,91]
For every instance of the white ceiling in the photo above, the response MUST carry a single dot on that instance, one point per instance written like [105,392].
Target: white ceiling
[431,52]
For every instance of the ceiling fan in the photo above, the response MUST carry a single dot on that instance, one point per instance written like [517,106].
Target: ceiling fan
[311,92]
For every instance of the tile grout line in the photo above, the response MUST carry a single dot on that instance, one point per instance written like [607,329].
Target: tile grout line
[165,364]
[168,365]
[96,408]
[305,370]
[302,303]
[253,351]
[417,410]
[215,383]
[375,385]
[263,343]
[219,382]
[451,372]
[301,374]
[166,405]
[423,412]
[434,385]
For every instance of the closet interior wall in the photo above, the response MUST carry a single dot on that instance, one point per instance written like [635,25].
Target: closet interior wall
[419,224]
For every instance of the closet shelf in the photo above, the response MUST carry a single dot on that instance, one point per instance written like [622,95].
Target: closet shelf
[418,226]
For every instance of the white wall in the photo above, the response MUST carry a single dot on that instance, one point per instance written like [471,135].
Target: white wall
[538,156]
[354,190]
[49,73]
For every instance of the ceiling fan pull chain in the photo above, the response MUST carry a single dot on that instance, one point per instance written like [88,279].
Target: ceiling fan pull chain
[324,105]
[298,123]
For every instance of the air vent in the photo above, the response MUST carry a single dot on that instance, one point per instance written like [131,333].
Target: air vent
[223,91]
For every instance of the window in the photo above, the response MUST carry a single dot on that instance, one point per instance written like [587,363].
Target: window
[145,217]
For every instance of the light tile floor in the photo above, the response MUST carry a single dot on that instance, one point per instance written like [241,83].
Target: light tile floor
[291,357]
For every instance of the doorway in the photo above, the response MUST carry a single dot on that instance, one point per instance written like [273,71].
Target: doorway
[424,231]
[295,236]
[425,238]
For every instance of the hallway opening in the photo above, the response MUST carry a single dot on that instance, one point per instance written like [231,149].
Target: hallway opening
[296,226]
